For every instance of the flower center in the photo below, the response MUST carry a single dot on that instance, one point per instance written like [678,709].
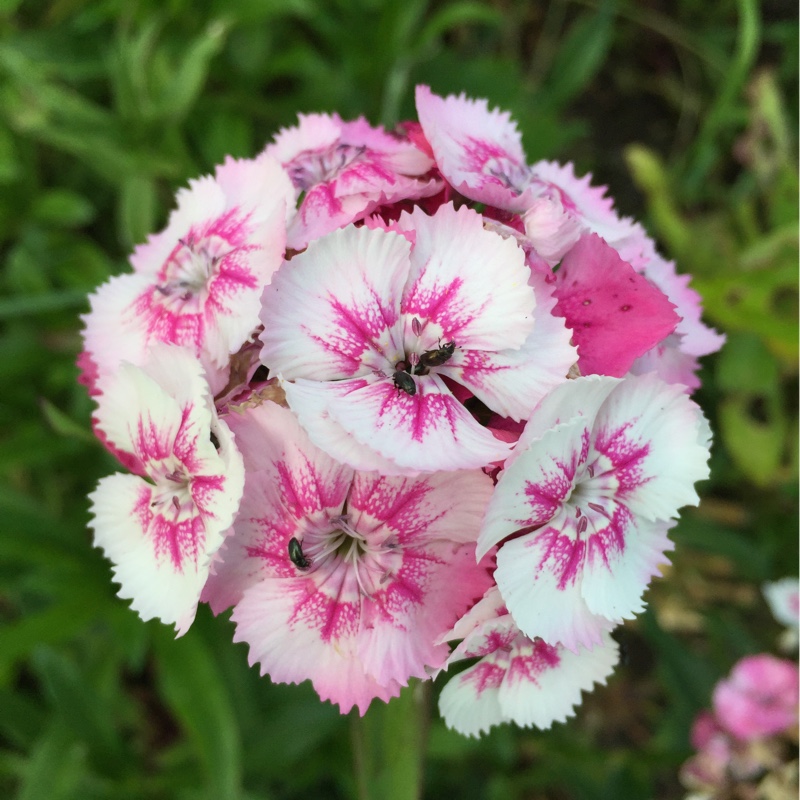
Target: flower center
[511,174]
[310,167]
[189,269]
[372,559]
[172,487]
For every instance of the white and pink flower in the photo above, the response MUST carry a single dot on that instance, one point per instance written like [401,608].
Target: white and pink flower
[517,679]
[198,283]
[345,578]
[367,327]
[342,171]
[161,530]
[583,507]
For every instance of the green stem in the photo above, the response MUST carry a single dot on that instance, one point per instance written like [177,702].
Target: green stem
[389,746]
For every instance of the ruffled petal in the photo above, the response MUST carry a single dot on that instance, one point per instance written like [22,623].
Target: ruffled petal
[615,314]
[466,284]
[427,431]
[332,312]
[651,443]
[479,151]
[540,577]
[512,382]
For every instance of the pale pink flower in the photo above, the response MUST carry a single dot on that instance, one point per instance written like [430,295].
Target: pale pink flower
[342,171]
[759,698]
[368,328]
[161,530]
[588,495]
[517,679]
[479,151]
[345,578]
[198,283]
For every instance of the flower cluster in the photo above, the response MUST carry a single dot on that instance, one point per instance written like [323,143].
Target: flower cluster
[379,391]
[744,743]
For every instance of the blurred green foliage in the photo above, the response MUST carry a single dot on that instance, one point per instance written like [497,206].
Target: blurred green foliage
[108,106]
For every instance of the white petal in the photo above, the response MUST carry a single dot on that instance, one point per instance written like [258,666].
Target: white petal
[669,435]
[544,684]
[147,574]
[332,312]
[539,576]
[428,431]
[470,283]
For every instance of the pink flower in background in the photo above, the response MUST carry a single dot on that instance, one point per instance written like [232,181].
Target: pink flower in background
[342,171]
[161,530]
[600,470]
[759,698]
[365,327]
[198,283]
[517,679]
[345,578]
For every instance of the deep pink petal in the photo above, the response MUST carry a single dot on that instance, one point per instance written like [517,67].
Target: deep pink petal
[614,313]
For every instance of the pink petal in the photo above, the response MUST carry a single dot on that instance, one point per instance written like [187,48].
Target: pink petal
[479,151]
[595,210]
[615,314]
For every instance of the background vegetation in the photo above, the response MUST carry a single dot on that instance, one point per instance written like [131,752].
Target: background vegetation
[108,106]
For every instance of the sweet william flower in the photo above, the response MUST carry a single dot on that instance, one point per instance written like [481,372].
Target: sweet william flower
[342,577]
[198,283]
[759,698]
[517,679]
[367,326]
[161,530]
[342,171]
[602,467]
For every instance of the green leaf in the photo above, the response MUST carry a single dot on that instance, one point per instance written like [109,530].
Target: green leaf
[54,768]
[63,208]
[579,56]
[192,685]
[63,424]
[88,716]
[138,204]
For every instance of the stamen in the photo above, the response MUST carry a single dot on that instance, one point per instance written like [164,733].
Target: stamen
[582,525]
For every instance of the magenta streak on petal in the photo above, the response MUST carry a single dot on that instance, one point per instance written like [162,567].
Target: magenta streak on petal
[607,544]
[183,302]
[528,668]
[185,445]
[493,641]
[151,442]
[320,202]
[397,507]
[179,540]
[303,492]
[626,456]
[420,413]
[206,490]
[547,495]
[358,330]
[562,555]
[484,675]
[332,617]
[440,302]
[273,538]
